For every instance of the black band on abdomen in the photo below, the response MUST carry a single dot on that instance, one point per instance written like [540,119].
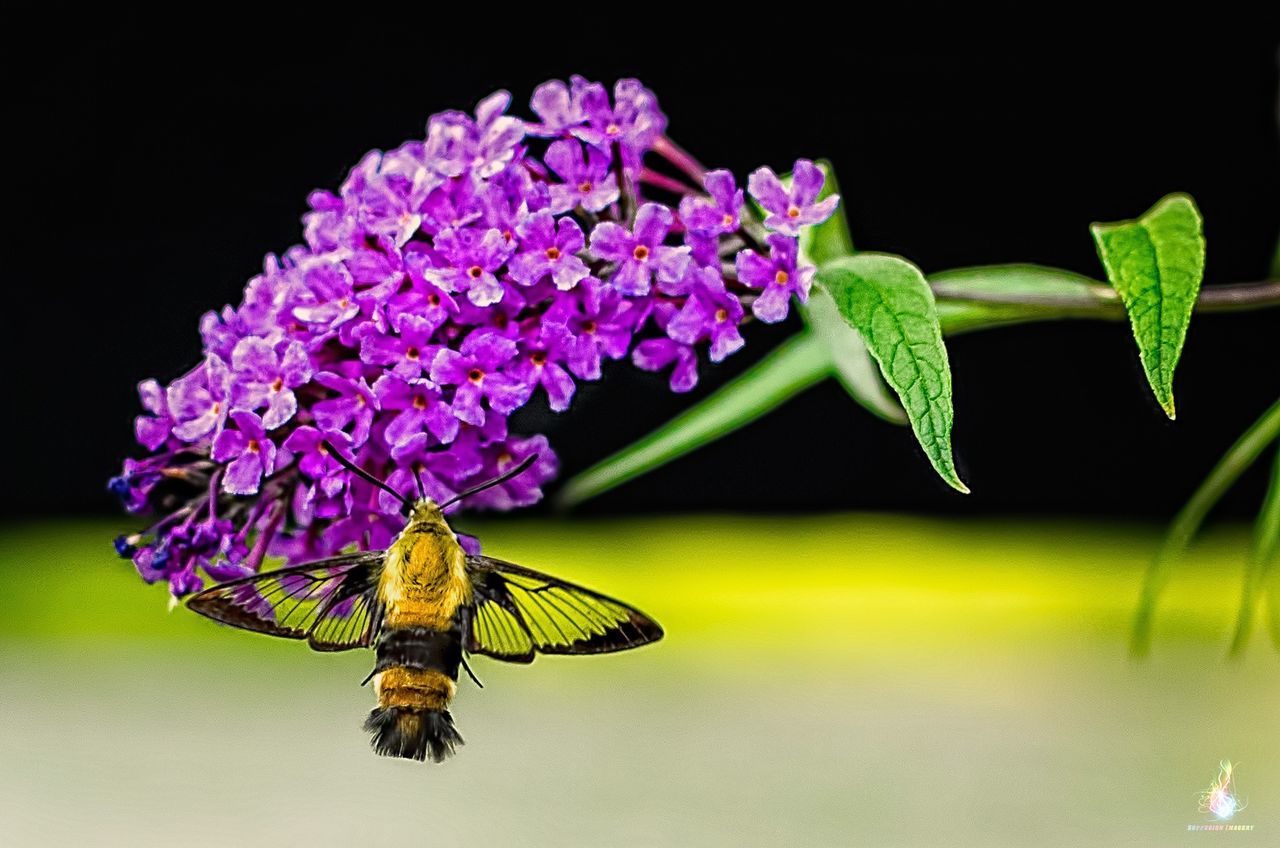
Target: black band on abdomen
[419,647]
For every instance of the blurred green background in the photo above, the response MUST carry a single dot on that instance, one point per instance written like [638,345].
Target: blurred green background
[834,680]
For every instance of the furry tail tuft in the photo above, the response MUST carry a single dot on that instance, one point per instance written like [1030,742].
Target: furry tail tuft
[413,734]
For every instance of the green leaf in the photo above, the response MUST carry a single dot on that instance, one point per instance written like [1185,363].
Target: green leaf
[789,369]
[850,360]
[832,238]
[1187,522]
[1156,264]
[886,299]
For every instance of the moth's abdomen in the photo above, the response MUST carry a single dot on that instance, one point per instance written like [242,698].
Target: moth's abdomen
[413,734]
[415,680]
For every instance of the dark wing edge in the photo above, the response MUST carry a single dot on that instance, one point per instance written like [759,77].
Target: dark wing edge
[332,603]
[520,612]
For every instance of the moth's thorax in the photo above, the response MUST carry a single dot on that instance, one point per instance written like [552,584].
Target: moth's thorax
[425,579]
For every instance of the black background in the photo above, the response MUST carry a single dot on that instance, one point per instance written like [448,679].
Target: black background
[158,164]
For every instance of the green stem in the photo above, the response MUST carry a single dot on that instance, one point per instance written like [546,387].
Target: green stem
[1187,522]
[982,289]
[789,369]
[1102,302]
[1260,561]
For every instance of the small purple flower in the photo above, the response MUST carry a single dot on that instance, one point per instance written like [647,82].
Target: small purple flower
[454,205]
[390,203]
[558,110]
[588,182]
[266,375]
[539,365]
[198,401]
[598,322]
[326,298]
[546,249]
[327,495]
[251,454]
[419,409]
[778,275]
[641,256]
[152,430]
[355,405]
[790,210]
[633,122]
[483,146]
[709,311]
[717,214]
[375,261]
[656,354]
[421,298]
[473,259]
[417,463]
[314,460]
[524,490]
[475,370]
[367,525]
[410,353]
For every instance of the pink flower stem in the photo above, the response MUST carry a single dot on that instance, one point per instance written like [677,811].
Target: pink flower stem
[664,182]
[265,535]
[678,156]
[628,192]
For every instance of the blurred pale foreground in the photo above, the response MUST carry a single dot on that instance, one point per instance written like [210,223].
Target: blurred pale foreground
[825,681]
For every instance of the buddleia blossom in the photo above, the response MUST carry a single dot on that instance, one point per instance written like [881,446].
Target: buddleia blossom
[440,289]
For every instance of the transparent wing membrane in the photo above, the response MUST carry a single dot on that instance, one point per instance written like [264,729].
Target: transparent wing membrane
[520,612]
[331,603]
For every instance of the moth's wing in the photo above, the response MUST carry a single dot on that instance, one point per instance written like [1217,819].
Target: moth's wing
[520,612]
[332,603]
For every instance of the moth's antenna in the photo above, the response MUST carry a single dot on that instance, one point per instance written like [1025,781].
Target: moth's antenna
[365,475]
[417,478]
[501,478]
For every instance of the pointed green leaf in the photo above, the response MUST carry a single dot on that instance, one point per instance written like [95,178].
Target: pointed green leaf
[1156,263]
[886,299]
[792,367]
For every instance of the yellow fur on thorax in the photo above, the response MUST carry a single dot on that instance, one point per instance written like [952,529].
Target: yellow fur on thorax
[414,688]
[425,579]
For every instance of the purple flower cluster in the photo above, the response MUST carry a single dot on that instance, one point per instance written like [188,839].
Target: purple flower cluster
[447,283]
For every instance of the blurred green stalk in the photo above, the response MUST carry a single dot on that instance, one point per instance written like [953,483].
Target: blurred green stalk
[1187,523]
